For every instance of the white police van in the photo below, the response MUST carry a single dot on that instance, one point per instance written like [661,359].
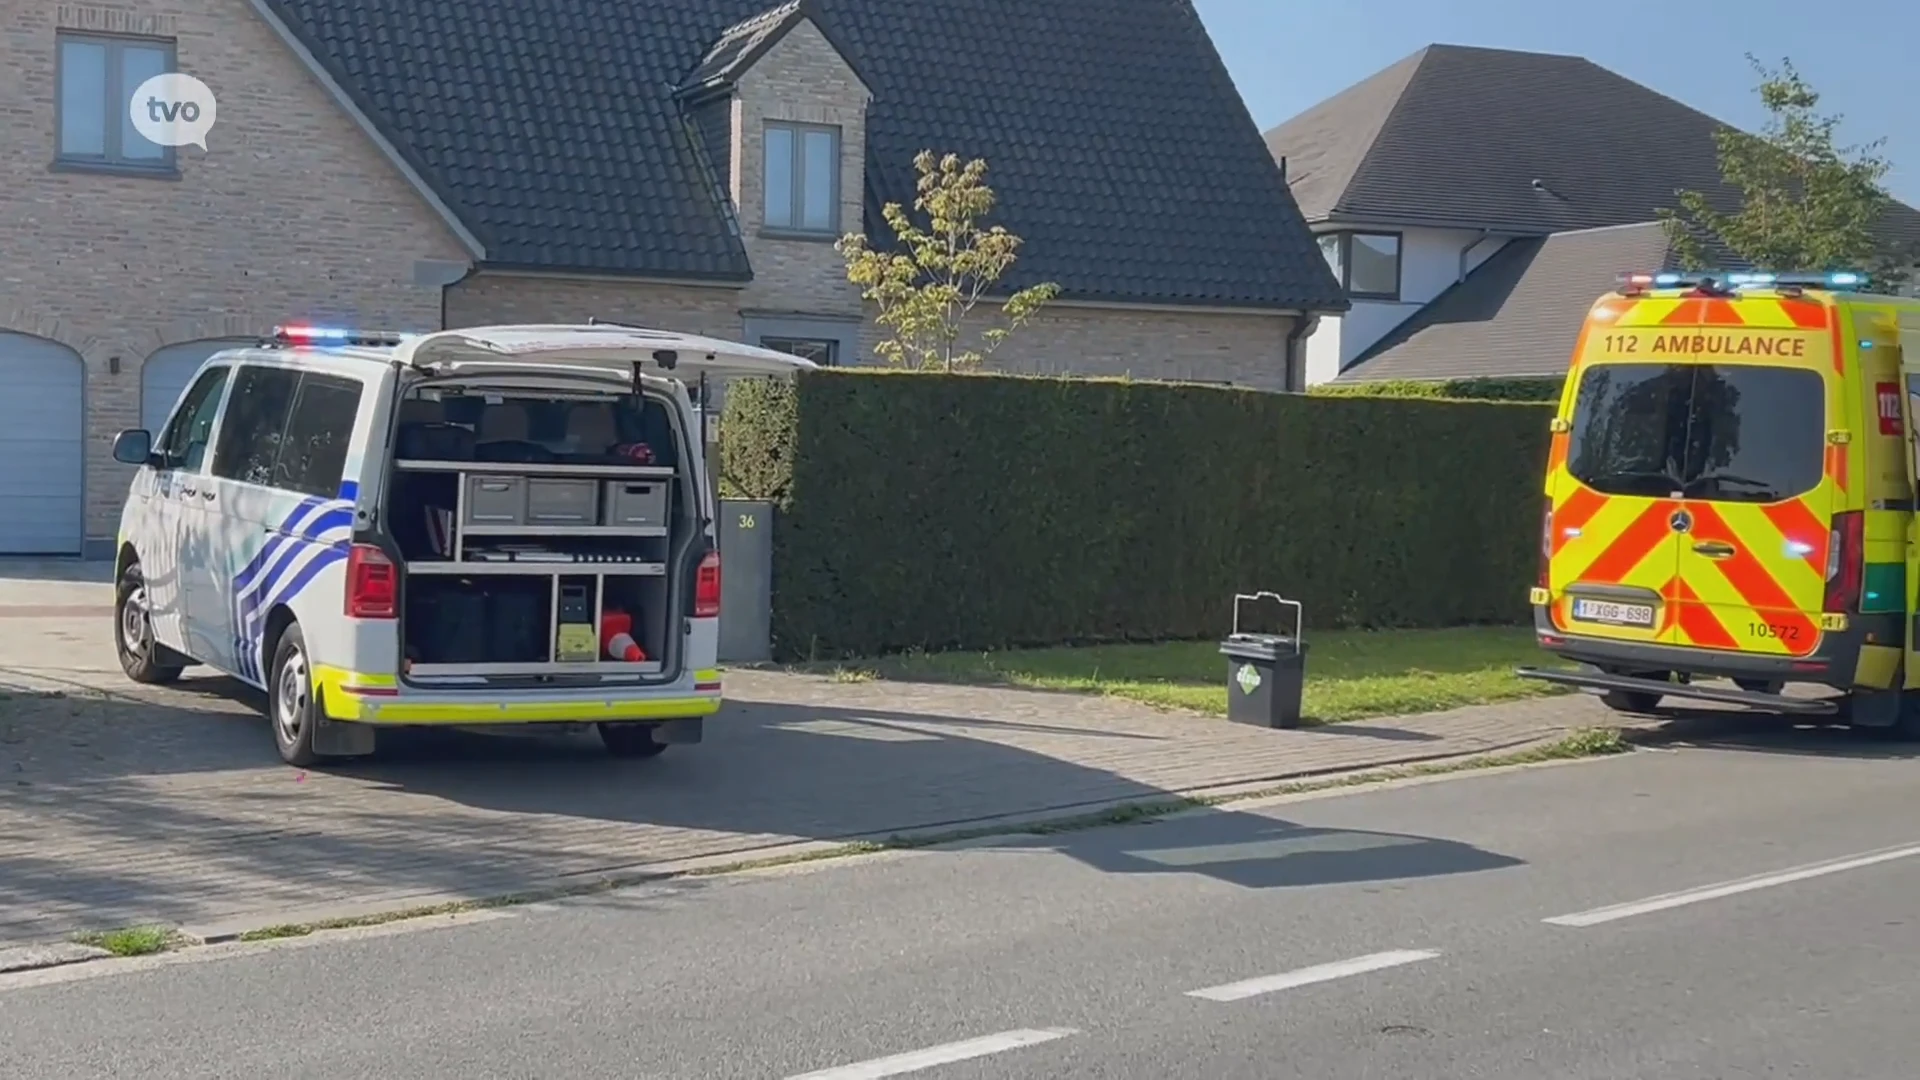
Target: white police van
[493,525]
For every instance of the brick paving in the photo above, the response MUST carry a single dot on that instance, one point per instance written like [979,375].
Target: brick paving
[122,804]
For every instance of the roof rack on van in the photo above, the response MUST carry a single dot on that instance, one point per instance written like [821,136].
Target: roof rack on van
[1726,281]
[331,337]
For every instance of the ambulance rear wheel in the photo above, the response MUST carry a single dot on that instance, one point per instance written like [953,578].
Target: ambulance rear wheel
[1630,701]
[627,740]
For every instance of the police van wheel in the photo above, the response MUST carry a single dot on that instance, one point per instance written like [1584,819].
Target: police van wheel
[290,700]
[141,657]
[1630,701]
[630,740]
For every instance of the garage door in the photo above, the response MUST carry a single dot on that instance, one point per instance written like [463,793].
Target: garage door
[166,374]
[42,447]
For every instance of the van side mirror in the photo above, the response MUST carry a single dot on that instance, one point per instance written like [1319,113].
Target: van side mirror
[133,447]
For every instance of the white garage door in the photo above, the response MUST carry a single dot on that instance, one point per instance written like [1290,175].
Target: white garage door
[166,374]
[42,447]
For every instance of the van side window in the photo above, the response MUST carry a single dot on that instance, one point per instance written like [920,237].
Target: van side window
[314,452]
[256,418]
[184,444]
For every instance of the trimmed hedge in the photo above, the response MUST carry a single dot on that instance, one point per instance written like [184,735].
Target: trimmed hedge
[1478,389]
[976,511]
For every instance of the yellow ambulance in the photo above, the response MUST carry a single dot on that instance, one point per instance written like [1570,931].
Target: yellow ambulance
[1730,496]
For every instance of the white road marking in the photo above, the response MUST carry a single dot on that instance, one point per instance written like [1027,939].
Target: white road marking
[1596,916]
[944,1054]
[1307,976]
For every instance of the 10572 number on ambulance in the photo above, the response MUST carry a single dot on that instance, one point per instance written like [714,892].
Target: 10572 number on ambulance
[1610,613]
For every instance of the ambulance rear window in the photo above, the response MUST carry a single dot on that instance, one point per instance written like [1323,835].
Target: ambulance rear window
[1730,433]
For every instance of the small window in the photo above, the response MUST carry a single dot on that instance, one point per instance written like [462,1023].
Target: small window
[256,420]
[97,77]
[184,444]
[313,455]
[824,352]
[803,178]
[1367,264]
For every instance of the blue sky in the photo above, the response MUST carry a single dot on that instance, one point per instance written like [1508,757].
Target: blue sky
[1859,54]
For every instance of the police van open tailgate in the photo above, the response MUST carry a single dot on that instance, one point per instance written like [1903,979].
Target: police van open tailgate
[596,348]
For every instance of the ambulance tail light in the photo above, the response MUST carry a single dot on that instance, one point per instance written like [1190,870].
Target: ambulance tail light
[1846,562]
[706,587]
[1546,548]
[373,584]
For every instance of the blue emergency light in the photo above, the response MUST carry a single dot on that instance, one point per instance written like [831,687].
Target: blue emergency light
[1836,280]
[323,337]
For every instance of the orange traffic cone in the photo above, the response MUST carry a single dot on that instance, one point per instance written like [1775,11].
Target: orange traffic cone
[616,637]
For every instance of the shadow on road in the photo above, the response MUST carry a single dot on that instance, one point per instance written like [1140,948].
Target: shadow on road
[1255,851]
[172,805]
[1775,733]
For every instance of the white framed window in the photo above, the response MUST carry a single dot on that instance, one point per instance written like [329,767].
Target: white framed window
[802,178]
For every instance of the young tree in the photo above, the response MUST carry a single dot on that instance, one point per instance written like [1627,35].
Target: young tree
[927,289]
[1808,203]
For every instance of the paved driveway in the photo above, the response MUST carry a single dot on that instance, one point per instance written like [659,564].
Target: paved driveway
[123,804]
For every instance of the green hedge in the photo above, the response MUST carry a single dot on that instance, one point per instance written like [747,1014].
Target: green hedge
[971,511]
[1543,389]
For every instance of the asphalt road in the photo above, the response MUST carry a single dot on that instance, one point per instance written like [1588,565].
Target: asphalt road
[1515,926]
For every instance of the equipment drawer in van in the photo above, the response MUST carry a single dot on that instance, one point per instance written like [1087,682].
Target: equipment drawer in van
[563,502]
[496,500]
[634,503]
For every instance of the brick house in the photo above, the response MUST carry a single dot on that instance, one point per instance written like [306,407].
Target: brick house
[679,163]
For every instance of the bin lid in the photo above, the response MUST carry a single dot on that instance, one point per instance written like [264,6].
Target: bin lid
[1261,646]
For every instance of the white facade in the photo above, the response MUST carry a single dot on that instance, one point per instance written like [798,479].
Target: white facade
[1431,260]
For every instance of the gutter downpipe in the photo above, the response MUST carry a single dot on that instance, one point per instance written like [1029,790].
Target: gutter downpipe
[1302,326]
[1461,275]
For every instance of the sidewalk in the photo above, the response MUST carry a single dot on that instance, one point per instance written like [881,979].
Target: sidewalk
[122,804]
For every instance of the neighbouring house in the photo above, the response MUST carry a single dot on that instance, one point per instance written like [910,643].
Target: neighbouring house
[414,164]
[1475,202]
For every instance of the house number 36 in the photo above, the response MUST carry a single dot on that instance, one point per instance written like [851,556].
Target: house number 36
[746,521]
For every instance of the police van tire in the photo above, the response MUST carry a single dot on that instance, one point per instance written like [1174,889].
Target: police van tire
[143,659]
[1630,701]
[290,699]
[630,740]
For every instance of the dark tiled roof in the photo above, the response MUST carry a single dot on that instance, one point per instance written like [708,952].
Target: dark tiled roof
[1118,144]
[1518,313]
[743,43]
[1455,135]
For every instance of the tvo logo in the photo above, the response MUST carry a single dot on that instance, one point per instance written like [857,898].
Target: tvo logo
[173,110]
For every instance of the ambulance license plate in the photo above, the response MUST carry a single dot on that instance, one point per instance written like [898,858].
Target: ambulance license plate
[1612,614]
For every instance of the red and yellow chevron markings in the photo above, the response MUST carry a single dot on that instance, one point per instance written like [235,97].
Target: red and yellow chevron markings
[1752,582]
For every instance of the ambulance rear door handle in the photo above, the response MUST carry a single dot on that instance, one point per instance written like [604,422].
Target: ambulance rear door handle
[1714,549]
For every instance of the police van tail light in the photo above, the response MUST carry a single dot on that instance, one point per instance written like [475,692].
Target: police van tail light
[706,587]
[1846,562]
[1546,548]
[373,584]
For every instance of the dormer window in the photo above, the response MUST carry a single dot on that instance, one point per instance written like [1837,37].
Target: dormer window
[1367,263]
[803,179]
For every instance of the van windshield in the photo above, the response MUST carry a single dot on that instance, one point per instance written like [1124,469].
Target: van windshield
[1729,433]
